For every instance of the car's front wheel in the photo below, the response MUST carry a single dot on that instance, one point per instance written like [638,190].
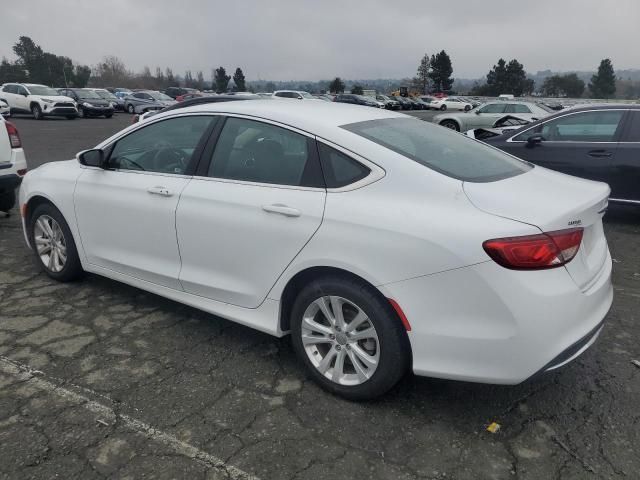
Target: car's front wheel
[36,111]
[131,109]
[349,337]
[443,108]
[53,244]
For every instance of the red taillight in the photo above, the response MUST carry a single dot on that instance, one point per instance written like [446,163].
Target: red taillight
[535,252]
[14,138]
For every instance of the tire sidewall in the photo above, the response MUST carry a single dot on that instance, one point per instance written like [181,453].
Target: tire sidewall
[450,122]
[393,342]
[36,111]
[72,268]
[131,108]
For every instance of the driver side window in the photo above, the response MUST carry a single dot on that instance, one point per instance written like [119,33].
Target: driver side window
[163,147]
[493,108]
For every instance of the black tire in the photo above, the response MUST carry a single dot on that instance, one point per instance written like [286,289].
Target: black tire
[36,111]
[443,108]
[131,109]
[467,108]
[394,356]
[71,117]
[72,269]
[108,115]
[452,124]
[7,200]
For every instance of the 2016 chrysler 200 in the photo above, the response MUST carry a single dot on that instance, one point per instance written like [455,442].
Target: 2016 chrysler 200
[380,242]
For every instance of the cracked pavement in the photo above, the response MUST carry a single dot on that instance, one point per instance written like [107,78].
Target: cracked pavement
[102,380]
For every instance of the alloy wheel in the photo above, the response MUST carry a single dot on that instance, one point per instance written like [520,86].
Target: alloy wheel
[340,340]
[50,243]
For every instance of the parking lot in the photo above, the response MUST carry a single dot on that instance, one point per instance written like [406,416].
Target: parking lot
[102,380]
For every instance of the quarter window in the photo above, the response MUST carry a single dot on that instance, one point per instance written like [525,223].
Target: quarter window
[594,126]
[517,108]
[164,147]
[340,170]
[259,152]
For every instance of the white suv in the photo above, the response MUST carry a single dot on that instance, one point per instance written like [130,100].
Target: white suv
[295,94]
[13,165]
[39,100]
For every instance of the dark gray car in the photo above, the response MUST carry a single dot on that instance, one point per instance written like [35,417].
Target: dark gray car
[145,100]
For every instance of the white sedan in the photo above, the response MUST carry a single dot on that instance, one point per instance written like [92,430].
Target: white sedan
[381,242]
[450,103]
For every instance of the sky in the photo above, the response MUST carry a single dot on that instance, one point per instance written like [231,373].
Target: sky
[313,40]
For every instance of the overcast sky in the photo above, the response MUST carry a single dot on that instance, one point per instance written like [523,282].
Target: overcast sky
[305,39]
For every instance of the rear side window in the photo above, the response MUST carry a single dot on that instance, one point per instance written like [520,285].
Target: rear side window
[633,134]
[440,149]
[253,151]
[340,170]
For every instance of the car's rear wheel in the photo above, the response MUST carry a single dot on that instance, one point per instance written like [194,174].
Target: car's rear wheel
[349,337]
[450,124]
[443,108]
[467,108]
[53,244]
[7,200]
[131,109]
[36,111]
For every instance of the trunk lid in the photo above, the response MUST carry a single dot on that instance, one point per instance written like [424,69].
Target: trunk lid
[552,201]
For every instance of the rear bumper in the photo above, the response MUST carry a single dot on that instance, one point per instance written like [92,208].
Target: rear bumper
[487,324]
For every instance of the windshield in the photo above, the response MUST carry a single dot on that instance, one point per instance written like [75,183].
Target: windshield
[442,150]
[86,93]
[106,94]
[306,95]
[42,90]
[545,108]
[160,96]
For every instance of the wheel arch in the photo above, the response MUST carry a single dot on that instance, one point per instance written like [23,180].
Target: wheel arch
[450,119]
[34,102]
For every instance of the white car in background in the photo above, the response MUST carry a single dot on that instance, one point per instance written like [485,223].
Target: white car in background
[13,165]
[381,242]
[294,94]
[450,103]
[39,100]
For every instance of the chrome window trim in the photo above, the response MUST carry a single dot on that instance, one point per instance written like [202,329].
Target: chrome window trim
[511,139]
[623,200]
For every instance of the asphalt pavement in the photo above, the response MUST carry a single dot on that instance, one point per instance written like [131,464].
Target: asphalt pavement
[102,380]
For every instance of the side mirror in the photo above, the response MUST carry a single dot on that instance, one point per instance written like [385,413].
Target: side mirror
[534,140]
[91,158]
[24,94]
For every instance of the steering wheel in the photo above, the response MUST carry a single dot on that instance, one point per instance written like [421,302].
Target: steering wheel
[170,160]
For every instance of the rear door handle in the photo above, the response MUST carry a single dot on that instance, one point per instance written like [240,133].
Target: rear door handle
[282,210]
[599,153]
[162,191]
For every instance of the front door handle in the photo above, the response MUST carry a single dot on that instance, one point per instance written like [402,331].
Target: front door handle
[599,153]
[282,210]
[162,191]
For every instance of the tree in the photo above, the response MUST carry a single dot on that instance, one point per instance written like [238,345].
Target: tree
[189,82]
[441,71]
[422,77]
[336,85]
[171,80]
[516,79]
[81,76]
[221,80]
[505,78]
[569,85]
[159,79]
[11,72]
[239,80]
[603,83]
[200,81]
[357,90]
[111,71]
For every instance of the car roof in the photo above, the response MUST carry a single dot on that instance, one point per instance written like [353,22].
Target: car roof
[312,117]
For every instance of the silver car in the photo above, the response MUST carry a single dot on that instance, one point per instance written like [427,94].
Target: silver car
[486,115]
[145,100]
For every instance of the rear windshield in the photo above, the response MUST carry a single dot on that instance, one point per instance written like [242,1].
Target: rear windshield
[440,149]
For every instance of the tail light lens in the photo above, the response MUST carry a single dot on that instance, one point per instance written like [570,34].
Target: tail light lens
[535,252]
[14,137]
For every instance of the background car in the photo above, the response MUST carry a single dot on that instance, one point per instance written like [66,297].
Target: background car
[117,103]
[389,103]
[196,101]
[296,206]
[597,142]
[13,164]
[323,96]
[485,115]
[187,96]
[293,94]
[39,100]
[502,125]
[354,99]
[404,102]
[143,100]
[449,103]
[174,92]
[90,104]
[5,110]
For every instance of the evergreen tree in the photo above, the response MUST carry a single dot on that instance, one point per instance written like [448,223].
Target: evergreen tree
[357,90]
[603,83]
[239,80]
[422,77]
[200,81]
[441,71]
[336,85]
[221,80]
